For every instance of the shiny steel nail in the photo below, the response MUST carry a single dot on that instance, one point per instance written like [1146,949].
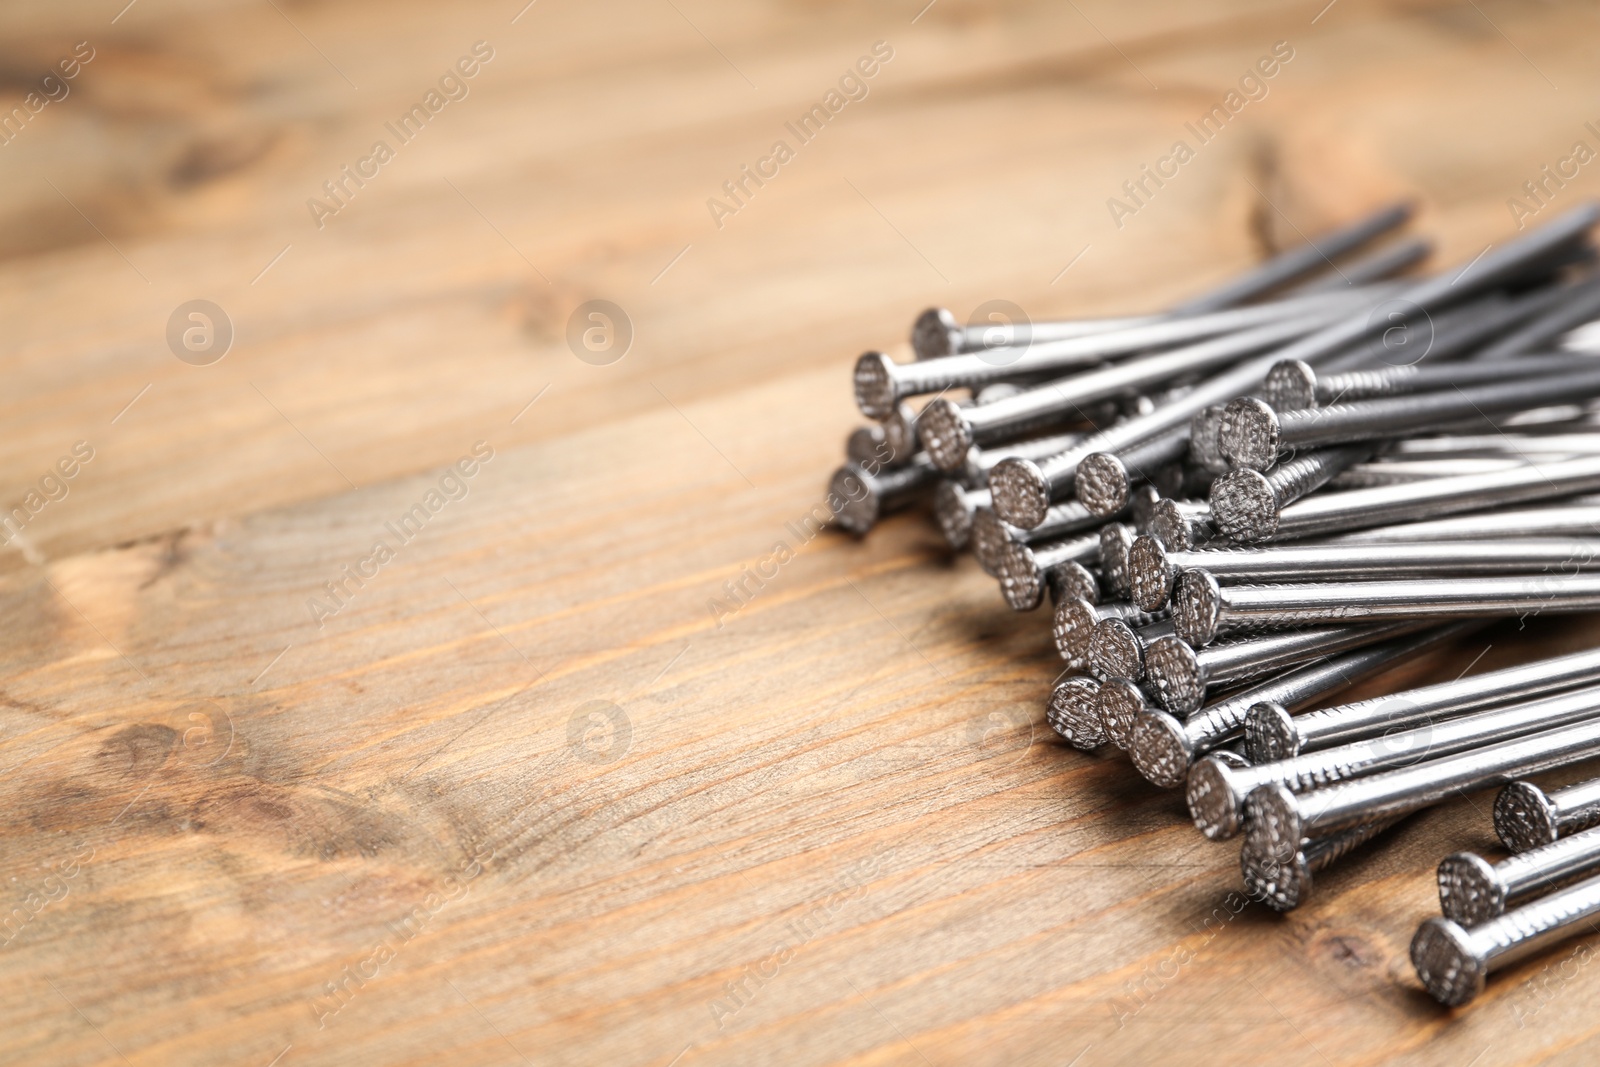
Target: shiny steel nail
[1025,572]
[1071,713]
[881,383]
[1283,885]
[1293,385]
[1023,575]
[1105,480]
[867,496]
[1163,749]
[1153,570]
[954,507]
[1181,525]
[1117,650]
[1273,735]
[936,332]
[1254,434]
[1245,504]
[1217,793]
[1203,609]
[1526,817]
[1356,509]
[1473,891]
[1074,620]
[1286,266]
[991,535]
[1577,517]
[1278,819]
[1115,541]
[1178,674]
[1453,962]
[950,430]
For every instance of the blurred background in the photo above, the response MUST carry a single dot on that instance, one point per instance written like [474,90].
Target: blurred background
[278,267]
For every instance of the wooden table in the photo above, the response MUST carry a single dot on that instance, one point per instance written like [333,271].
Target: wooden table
[522,792]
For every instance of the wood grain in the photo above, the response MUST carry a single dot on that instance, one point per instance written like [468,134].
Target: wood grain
[829,827]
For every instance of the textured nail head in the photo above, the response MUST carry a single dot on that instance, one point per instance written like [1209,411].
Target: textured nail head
[1116,540]
[1115,651]
[1074,581]
[1073,628]
[900,432]
[1205,445]
[1072,713]
[953,509]
[1169,525]
[1021,492]
[944,433]
[1451,966]
[1279,884]
[1150,576]
[1290,386]
[1102,483]
[1524,817]
[935,332]
[1272,823]
[1120,703]
[1212,793]
[862,501]
[875,385]
[989,537]
[1269,733]
[1249,433]
[1174,676]
[1021,581]
[1244,506]
[1160,749]
[1471,891]
[1197,607]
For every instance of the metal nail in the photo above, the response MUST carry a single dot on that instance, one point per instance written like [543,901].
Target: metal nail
[881,383]
[1181,525]
[949,430]
[954,508]
[935,332]
[1286,266]
[1575,305]
[1073,625]
[1293,385]
[1578,516]
[1284,885]
[1117,650]
[1454,962]
[1217,793]
[1278,819]
[1179,675]
[1526,817]
[1272,735]
[1115,541]
[1473,891]
[1368,475]
[1202,609]
[1153,571]
[991,535]
[1163,749]
[1023,577]
[1071,713]
[1245,504]
[1254,434]
[1104,480]
[866,496]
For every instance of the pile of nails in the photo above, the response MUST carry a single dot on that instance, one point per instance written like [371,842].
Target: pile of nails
[1246,503]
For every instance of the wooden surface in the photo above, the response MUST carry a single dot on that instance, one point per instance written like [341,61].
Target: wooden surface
[840,797]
